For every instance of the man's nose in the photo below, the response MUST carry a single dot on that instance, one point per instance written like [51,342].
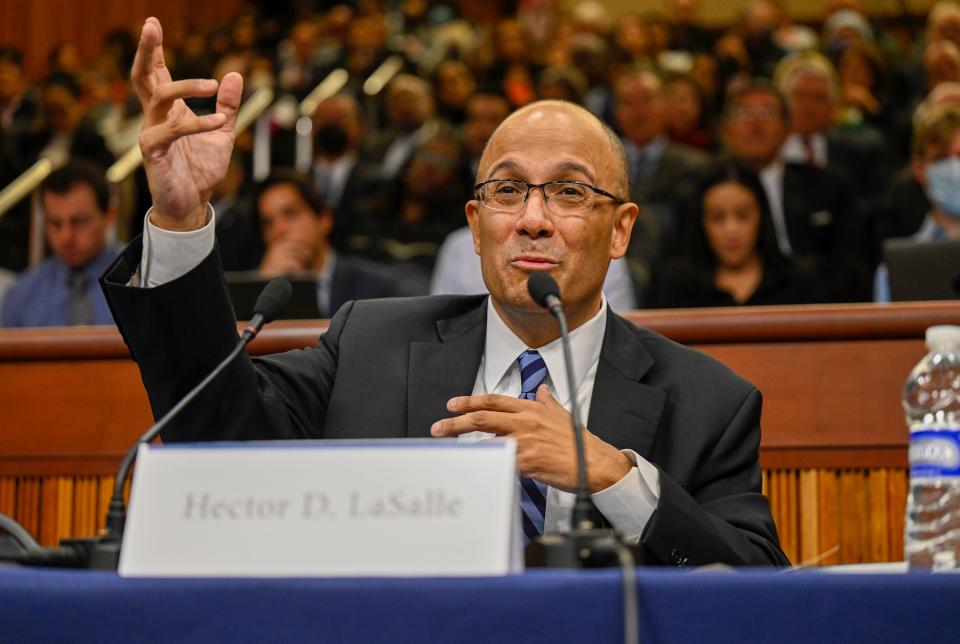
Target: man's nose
[533,219]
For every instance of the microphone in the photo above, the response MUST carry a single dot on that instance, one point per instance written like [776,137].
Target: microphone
[546,292]
[103,552]
[587,544]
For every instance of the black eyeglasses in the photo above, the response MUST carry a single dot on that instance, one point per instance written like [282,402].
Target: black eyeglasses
[564,197]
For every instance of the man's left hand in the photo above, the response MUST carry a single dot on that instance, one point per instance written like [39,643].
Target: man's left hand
[542,429]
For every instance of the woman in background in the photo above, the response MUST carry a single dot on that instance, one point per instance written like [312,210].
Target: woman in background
[731,257]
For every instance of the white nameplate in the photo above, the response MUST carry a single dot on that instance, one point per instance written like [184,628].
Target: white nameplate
[432,507]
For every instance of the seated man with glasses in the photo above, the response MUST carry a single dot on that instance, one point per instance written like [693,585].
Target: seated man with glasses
[673,436]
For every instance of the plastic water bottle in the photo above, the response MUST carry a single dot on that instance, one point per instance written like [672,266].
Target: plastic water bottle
[931,400]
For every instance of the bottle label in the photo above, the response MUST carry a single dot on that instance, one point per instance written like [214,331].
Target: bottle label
[934,453]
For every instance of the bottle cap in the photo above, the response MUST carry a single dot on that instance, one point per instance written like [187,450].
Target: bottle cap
[944,335]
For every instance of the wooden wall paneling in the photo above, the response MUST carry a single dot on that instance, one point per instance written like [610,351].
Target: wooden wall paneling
[877,491]
[49,510]
[36,26]
[8,495]
[808,513]
[104,492]
[898,483]
[65,509]
[790,508]
[854,517]
[828,517]
[28,504]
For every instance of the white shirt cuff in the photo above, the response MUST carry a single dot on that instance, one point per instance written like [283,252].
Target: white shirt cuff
[168,255]
[629,503]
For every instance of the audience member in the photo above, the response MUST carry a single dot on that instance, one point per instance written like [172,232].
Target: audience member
[810,85]
[64,132]
[688,119]
[238,231]
[485,111]
[63,289]
[814,213]
[454,84]
[349,184]
[410,114]
[662,173]
[936,166]
[296,228]
[905,204]
[731,256]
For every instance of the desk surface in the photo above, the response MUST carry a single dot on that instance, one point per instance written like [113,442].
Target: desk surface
[554,606]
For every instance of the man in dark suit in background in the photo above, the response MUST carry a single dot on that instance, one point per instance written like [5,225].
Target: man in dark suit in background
[295,224]
[815,216]
[350,185]
[809,82]
[673,437]
[662,173]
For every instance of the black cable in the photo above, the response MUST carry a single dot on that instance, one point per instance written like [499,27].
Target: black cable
[18,532]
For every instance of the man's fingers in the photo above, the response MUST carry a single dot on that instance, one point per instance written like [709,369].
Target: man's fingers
[165,95]
[493,402]
[494,422]
[161,136]
[544,396]
[149,68]
[228,98]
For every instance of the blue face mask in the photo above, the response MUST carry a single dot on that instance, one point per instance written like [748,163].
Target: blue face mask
[943,186]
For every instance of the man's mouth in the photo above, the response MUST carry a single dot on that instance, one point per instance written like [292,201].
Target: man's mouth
[533,262]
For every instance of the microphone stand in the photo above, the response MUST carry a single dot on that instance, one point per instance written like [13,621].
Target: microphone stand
[103,552]
[587,544]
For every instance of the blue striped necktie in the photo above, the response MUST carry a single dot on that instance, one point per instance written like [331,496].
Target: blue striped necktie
[533,494]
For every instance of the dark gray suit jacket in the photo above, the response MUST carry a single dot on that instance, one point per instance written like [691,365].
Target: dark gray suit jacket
[385,368]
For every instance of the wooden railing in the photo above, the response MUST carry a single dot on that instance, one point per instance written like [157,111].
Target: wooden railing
[833,445]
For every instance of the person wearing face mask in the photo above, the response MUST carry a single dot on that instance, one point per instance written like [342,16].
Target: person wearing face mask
[350,186]
[936,166]
[730,256]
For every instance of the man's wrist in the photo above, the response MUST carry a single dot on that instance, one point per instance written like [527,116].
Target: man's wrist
[608,470]
[179,223]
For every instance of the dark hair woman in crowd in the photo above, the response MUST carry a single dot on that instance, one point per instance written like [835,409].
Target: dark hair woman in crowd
[731,255]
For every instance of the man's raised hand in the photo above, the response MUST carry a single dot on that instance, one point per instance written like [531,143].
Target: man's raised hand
[184,155]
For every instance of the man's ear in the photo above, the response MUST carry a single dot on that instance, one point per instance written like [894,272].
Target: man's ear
[624,218]
[326,222]
[472,208]
[919,169]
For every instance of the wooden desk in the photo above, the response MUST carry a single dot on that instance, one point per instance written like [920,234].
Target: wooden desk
[833,446]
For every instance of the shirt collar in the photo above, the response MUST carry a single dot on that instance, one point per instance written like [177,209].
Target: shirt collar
[652,151]
[503,347]
[94,269]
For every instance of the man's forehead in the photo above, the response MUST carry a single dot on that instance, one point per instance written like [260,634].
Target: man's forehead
[550,135]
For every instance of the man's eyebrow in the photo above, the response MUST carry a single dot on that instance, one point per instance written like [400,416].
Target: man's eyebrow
[563,168]
[511,166]
[573,166]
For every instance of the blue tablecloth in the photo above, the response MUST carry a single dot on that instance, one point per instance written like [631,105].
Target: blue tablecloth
[538,606]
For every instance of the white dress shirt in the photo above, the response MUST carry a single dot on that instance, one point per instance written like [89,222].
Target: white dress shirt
[794,149]
[627,504]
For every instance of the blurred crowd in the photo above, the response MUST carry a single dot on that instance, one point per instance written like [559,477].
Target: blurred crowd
[770,158]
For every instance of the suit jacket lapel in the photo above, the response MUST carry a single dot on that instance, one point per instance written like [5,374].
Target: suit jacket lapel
[623,411]
[441,370]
